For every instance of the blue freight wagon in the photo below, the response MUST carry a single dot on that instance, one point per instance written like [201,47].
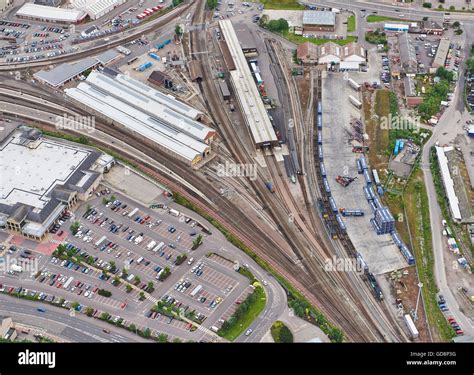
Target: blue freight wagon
[320,137]
[320,107]
[368,193]
[321,153]
[341,224]
[359,167]
[363,162]
[367,177]
[326,186]
[320,121]
[323,169]
[333,205]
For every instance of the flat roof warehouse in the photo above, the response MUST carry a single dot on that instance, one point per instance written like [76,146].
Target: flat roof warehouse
[147,113]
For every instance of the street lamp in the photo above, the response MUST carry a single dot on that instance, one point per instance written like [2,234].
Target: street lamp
[420,285]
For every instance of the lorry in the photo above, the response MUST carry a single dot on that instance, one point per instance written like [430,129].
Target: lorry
[151,245]
[411,326]
[355,102]
[173,212]
[353,84]
[16,268]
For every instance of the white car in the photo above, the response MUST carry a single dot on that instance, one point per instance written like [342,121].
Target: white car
[265,282]
[248,332]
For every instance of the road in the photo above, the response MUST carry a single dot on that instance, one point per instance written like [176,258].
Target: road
[78,328]
[444,132]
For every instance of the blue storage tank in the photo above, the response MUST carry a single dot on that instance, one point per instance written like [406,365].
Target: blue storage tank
[154,56]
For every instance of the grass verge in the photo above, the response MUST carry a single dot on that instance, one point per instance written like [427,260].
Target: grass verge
[282,4]
[374,18]
[418,217]
[298,39]
[245,314]
[351,24]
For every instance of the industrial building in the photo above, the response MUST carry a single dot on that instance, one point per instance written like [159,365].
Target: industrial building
[316,20]
[195,71]
[55,176]
[66,72]
[403,27]
[250,102]
[441,53]
[123,103]
[98,8]
[448,182]
[51,14]
[408,59]
[167,100]
[7,328]
[411,96]
[159,78]
[349,56]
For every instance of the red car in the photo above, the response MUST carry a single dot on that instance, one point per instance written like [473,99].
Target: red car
[459,332]
[123,305]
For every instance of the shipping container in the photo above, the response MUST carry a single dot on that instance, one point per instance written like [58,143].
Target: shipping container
[376,177]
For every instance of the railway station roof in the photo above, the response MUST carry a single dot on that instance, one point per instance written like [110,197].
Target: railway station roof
[250,101]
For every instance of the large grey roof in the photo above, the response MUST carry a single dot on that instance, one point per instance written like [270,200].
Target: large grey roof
[64,72]
[318,17]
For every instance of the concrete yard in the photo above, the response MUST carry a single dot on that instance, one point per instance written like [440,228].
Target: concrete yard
[378,251]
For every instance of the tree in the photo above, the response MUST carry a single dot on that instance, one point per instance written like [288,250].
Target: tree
[116,280]
[264,20]
[427,5]
[129,288]
[150,285]
[162,338]
[456,24]
[142,295]
[147,332]
[470,64]
[458,31]
[280,25]
[124,272]
[178,31]
[212,4]
[136,280]
[132,327]
[75,227]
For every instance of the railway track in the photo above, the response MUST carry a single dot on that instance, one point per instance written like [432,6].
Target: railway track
[136,32]
[314,277]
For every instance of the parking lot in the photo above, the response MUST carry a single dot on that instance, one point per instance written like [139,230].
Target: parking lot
[114,234]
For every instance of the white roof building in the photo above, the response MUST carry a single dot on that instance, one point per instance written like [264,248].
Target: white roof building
[448,182]
[172,132]
[50,14]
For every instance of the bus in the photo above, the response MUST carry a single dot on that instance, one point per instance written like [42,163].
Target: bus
[98,243]
[131,61]
[159,247]
[68,282]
